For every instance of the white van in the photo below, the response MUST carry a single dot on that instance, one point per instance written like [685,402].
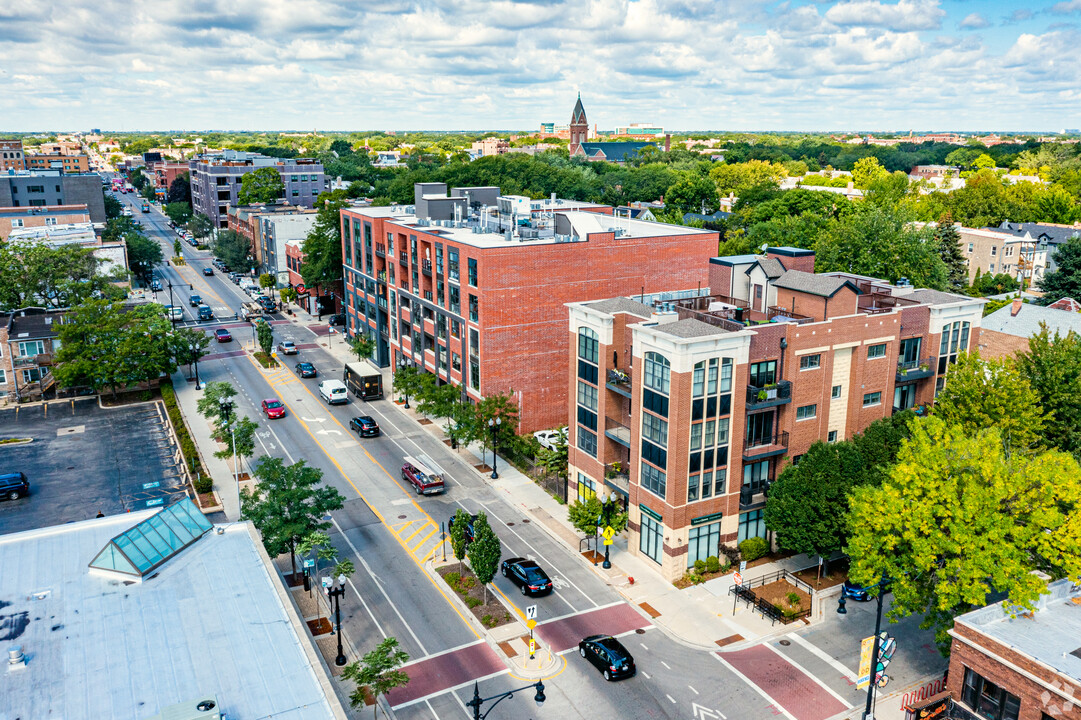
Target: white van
[334,392]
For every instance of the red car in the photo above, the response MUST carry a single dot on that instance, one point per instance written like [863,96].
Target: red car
[223,335]
[273,409]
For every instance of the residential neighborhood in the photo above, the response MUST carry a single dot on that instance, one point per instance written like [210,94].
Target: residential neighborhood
[365,361]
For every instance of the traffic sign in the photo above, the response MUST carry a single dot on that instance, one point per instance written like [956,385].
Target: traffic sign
[608,534]
[531,612]
[531,624]
[742,565]
[309,562]
[738,578]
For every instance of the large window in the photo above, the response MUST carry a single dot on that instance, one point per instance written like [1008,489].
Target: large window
[653,479]
[752,524]
[587,396]
[954,341]
[652,536]
[452,264]
[587,441]
[474,309]
[703,542]
[31,348]
[987,699]
[586,488]
[658,373]
[762,373]
[909,352]
[654,429]
[756,475]
[711,387]
[473,272]
[709,483]
[587,345]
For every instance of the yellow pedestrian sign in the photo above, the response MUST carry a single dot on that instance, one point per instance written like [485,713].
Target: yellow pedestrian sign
[608,534]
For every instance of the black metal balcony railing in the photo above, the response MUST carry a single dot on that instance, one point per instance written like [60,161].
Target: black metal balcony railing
[776,441]
[769,395]
[619,381]
[426,267]
[380,250]
[403,258]
[915,369]
[617,431]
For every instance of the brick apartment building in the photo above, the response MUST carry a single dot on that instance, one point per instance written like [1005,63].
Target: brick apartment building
[164,173]
[11,155]
[1018,668]
[57,161]
[13,218]
[473,286]
[26,352]
[246,219]
[688,404]
[216,180]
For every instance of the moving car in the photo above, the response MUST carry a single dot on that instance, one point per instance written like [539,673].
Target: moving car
[338,319]
[14,485]
[365,426]
[195,300]
[208,271]
[175,312]
[205,313]
[223,335]
[334,392]
[551,438]
[424,475]
[608,655]
[287,347]
[155,285]
[306,370]
[468,527]
[527,575]
[273,409]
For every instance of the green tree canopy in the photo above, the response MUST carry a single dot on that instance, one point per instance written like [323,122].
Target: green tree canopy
[179,213]
[958,520]
[1052,366]
[180,191]
[484,552]
[262,186]
[322,246]
[459,541]
[1065,280]
[949,250]
[378,671]
[287,504]
[200,226]
[143,253]
[233,248]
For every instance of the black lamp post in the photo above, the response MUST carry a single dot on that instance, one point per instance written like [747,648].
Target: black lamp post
[607,564]
[841,610]
[226,407]
[402,365]
[477,700]
[493,425]
[336,594]
[195,360]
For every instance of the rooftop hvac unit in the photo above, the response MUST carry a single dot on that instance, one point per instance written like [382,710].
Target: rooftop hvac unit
[509,235]
[202,709]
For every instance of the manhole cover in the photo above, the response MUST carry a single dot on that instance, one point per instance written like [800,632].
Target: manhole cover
[785,643]
[525,521]
[640,631]
[402,517]
[71,467]
[508,524]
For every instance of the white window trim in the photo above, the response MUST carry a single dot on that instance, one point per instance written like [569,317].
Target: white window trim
[809,417]
[817,366]
[874,404]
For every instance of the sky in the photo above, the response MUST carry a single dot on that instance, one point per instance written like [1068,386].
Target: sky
[470,65]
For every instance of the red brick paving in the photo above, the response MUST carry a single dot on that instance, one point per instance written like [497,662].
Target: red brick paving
[442,672]
[788,686]
[564,633]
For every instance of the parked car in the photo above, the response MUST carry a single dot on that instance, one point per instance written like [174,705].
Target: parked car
[208,271]
[334,392]
[306,370]
[551,438]
[235,277]
[338,319]
[608,655]
[223,335]
[273,409]
[424,475]
[527,575]
[365,426]
[14,485]
[854,591]
[468,527]
[287,347]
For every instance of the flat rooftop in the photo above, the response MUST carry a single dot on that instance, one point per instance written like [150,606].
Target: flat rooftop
[1051,635]
[210,621]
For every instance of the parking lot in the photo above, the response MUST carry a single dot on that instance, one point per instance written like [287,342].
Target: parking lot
[85,459]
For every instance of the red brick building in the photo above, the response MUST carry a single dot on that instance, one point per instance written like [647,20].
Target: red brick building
[1022,668]
[473,286]
[688,403]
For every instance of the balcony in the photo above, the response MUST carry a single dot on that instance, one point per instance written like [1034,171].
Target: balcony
[759,398]
[403,258]
[787,315]
[617,478]
[426,267]
[381,277]
[619,382]
[618,432]
[756,448]
[750,499]
[915,370]
[380,250]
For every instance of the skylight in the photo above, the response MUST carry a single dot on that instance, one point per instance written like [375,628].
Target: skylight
[140,549]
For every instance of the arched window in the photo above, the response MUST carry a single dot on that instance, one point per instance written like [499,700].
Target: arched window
[658,373]
[587,345]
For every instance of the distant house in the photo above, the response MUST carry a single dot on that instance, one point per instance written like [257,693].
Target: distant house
[614,152]
[1007,330]
[718,216]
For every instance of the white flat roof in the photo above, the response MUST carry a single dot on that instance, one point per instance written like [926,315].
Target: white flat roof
[208,622]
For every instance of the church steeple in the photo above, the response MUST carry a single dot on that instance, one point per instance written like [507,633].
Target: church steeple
[579,128]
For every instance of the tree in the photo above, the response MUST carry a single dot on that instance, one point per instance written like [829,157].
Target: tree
[958,520]
[694,193]
[459,542]
[105,345]
[200,226]
[113,208]
[484,552]
[189,344]
[408,381]
[148,193]
[265,336]
[867,171]
[179,212]
[177,247]
[267,281]
[143,253]
[35,274]
[322,246]
[586,515]
[238,440]
[319,543]
[233,248]
[215,394]
[554,459]
[363,345]
[982,394]
[1065,279]
[738,177]
[504,408]
[378,671]
[287,504]
[1052,366]
[949,249]
[260,187]
[180,191]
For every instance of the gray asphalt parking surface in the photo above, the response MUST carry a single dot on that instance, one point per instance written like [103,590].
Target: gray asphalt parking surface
[86,459]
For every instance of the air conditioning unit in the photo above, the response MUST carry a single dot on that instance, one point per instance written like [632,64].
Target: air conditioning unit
[205,708]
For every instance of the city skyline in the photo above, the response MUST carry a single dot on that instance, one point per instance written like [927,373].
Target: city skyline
[799,66]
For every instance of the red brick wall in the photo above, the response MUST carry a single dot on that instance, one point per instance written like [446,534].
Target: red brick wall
[805,263]
[720,279]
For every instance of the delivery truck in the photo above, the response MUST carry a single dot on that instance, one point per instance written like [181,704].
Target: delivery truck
[364,380]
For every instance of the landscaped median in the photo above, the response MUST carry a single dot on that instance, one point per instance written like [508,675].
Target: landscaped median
[202,484]
[487,607]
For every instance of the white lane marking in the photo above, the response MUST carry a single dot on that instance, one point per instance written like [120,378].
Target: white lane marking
[401,501]
[754,687]
[431,710]
[670,698]
[645,674]
[437,693]
[308,419]
[666,664]
[823,655]
[803,670]
[693,690]
[644,647]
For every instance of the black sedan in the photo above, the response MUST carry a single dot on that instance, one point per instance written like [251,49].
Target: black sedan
[208,271]
[306,370]
[527,575]
[608,655]
[365,426]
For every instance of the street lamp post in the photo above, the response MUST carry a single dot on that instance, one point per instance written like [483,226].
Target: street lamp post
[841,610]
[477,700]
[195,358]
[607,564]
[402,365]
[493,425]
[226,407]
[336,594]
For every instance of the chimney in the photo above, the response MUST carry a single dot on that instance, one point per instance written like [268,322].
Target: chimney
[667,142]
[1016,308]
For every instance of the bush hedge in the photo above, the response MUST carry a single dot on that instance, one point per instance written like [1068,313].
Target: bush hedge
[753,548]
[187,445]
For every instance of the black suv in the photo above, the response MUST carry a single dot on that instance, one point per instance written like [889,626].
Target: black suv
[14,485]
[608,655]
[365,426]
[527,575]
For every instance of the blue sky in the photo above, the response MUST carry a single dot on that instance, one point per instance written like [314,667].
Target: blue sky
[469,64]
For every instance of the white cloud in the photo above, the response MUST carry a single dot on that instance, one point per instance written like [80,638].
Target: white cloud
[904,15]
[975,21]
[1067,7]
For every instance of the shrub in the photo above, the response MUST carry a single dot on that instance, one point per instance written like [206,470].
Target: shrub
[792,598]
[699,566]
[187,445]
[452,579]
[712,564]
[731,554]
[203,484]
[471,601]
[465,584]
[489,622]
[753,548]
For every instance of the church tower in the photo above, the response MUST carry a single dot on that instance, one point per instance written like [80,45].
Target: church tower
[579,126]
